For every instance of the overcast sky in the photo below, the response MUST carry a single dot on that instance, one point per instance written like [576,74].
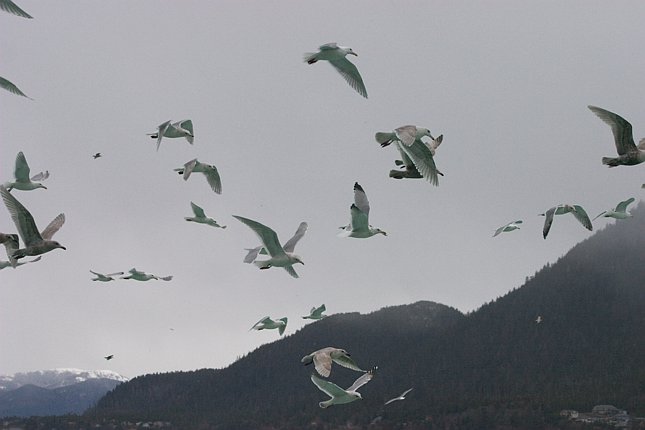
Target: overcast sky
[507,83]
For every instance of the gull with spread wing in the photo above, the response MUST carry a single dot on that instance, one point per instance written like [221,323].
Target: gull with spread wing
[401,397]
[359,226]
[323,358]
[22,181]
[514,225]
[267,323]
[619,212]
[578,212]
[628,153]
[316,313]
[210,171]
[336,55]
[142,276]
[201,218]
[339,396]
[289,245]
[183,128]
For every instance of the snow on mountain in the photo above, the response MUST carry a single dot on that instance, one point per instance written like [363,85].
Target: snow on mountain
[55,378]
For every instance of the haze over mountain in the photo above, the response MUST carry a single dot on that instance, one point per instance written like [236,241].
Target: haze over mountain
[494,365]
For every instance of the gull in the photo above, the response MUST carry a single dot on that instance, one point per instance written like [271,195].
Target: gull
[359,226]
[11,7]
[21,175]
[619,212]
[514,225]
[142,276]
[200,217]
[105,278]
[4,264]
[539,319]
[410,170]
[322,360]
[401,397]
[109,357]
[628,153]
[338,395]
[316,313]
[35,243]
[210,171]
[576,210]
[408,141]
[97,155]
[267,323]
[336,55]
[183,128]
[289,245]
[11,87]
[279,256]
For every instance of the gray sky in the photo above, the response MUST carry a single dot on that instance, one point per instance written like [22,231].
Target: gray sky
[506,82]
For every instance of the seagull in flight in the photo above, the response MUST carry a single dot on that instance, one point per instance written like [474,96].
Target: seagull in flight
[414,150]
[279,257]
[210,171]
[578,212]
[201,218]
[21,175]
[514,225]
[97,155]
[316,313]
[339,396]
[183,128]
[619,212]
[142,276]
[289,245]
[267,323]
[359,226]
[628,153]
[36,243]
[323,358]
[109,357]
[401,397]
[336,55]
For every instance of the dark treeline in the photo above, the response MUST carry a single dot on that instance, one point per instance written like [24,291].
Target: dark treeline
[493,368]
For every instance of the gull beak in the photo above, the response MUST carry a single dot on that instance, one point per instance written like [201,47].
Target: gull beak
[354,53]
[64,248]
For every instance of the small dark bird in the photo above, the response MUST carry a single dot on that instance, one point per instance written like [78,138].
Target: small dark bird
[109,357]
[97,155]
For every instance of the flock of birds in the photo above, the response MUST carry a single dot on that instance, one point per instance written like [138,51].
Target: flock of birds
[417,161]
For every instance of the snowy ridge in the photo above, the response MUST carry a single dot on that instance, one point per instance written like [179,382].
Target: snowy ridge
[55,378]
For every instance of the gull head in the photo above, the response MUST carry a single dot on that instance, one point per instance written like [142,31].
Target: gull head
[379,231]
[349,51]
[297,259]
[424,132]
[356,395]
[55,245]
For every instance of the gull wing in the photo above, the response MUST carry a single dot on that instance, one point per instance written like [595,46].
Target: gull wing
[582,217]
[213,179]
[11,7]
[346,361]
[363,379]
[359,221]
[499,230]
[252,254]
[327,387]
[350,73]
[434,144]
[322,363]
[622,206]
[262,321]
[161,130]
[599,215]
[319,310]
[11,245]
[188,168]
[360,199]
[9,86]
[291,243]
[21,169]
[621,129]
[22,218]
[422,158]
[406,134]
[112,274]
[40,176]
[187,125]
[268,237]
[290,270]
[53,227]
[199,212]
[327,46]
[548,221]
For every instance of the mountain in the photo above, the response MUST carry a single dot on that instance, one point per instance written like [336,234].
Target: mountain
[54,392]
[495,367]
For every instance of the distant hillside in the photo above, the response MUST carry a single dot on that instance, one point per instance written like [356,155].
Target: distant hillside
[495,366]
[53,392]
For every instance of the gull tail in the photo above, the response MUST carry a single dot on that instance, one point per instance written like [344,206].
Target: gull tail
[384,138]
[310,58]
[611,162]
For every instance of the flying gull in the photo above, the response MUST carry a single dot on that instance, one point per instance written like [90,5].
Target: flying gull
[619,212]
[337,395]
[200,217]
[576,210]
[316,313]
[413,150]
[267,323]
[336,55]
[514,225]
[279,257]
[97,155]
[142,276]
[628,153]
[36,243]
[401,397]
[289,245]
[323,358]
[359,226]
[210,171]
[105,278]
[183,128]
[22,181]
